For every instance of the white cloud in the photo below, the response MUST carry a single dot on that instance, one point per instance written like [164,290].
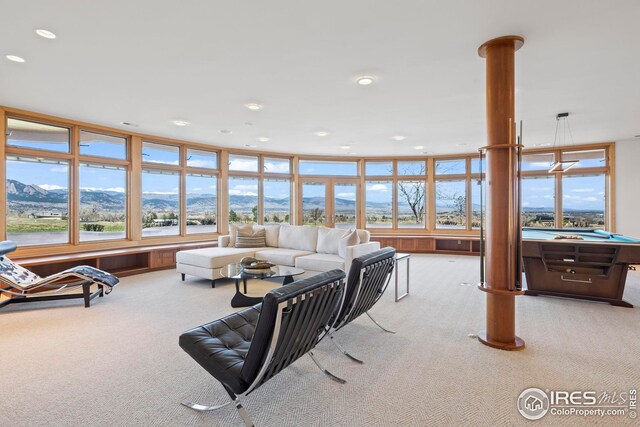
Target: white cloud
[276,167]
[49,187]
[583,190]
[160,192]
[235,192]
[243,165]
[377,187]
[201,164]
[525,203]
[173,162]
[590,199]
[59,169]
[346,195]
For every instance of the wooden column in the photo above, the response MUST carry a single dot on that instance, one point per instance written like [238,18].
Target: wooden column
[502,196]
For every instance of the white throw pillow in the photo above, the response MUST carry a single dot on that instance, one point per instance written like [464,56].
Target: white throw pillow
[350,239]
[329,240]
[233,231]
[272,233]
[301,237]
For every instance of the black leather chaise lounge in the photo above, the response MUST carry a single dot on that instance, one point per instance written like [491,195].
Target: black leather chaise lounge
[368,278]
[23,285]
[245,349]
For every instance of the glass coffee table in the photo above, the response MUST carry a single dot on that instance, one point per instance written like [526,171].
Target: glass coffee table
[238,273]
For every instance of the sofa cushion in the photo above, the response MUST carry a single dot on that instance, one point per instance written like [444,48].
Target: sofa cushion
[212,257]
[320,262]
[233,231]
[250,239]
[329,240]
[364,236]
[272,231]
[299,237]
[349,239]
[281,256]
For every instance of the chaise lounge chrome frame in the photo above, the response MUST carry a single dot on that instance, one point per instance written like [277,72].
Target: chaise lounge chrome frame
[373,279]
[33,288]
[308,308]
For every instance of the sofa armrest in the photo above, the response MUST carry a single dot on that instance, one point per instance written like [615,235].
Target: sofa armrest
[358,250]
[223,241]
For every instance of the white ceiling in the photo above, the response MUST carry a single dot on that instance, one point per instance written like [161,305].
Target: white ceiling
[152,61]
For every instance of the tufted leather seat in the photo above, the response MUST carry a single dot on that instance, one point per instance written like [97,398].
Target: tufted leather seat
[247,348]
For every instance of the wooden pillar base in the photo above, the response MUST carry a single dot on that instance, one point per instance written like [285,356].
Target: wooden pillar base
[517,344]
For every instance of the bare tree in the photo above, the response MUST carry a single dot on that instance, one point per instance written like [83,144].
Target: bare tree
[413,192]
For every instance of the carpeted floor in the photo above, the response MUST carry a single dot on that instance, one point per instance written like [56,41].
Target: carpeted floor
[119,364]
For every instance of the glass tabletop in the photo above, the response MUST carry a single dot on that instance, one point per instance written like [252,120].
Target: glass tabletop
[236,271]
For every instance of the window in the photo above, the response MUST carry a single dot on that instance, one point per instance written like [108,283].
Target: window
[344,205]
[37,200]
[475,165]
[96,144]
[276,165]
[411,204]
[451,204]
[160,153]
[26,134]
[241,163]
[160,203]
[103,202]
[379,168]
[583,201]
[243,200]
[324,168]
[537,161]
[586,158]
[538,201]
[202,159]
[202,199]
[314,206]
[451,167]
[476,186]
[408,168]
[379,204]
[277,200]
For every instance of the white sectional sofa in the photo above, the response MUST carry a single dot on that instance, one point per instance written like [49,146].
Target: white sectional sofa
[314,249]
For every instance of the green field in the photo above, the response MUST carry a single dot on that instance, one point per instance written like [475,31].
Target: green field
[42,225]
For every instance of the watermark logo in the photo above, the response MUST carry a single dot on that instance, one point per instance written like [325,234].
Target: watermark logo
[533,403]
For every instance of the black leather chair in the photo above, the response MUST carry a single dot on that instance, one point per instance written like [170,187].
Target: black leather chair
[245,349]
[368,278]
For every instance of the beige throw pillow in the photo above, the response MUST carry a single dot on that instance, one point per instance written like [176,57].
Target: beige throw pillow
[250,239]
[350,239]
[233,231]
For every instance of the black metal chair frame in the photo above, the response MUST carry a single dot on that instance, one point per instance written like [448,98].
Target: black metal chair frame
[373,280]
[304,310]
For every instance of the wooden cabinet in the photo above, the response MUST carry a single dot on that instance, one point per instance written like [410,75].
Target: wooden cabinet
[463,245]
[162,258]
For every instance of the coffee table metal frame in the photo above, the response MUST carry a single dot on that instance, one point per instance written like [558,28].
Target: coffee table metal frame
[407,258]
[236,272]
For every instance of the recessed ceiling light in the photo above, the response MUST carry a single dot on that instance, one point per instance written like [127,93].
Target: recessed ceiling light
[418,147]
[250,145]
[462,144]
[253,106]
[427,152]
[263,139]
[180,123]
[15,58]
[45,33]
[365,80]
[129,124]
[225,131]
[248,124]
[345,147]
[399,137]
[322,133]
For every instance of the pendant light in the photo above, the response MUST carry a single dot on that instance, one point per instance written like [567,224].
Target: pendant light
[561,165]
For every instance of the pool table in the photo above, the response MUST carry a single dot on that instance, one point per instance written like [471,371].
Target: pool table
[578,263]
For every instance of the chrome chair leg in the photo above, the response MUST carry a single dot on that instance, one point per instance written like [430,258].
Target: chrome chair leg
[337,344]
[244,414]
[327,373]
[379,325]
[199,407]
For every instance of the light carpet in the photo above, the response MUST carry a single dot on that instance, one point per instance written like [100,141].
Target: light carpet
[118,363]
